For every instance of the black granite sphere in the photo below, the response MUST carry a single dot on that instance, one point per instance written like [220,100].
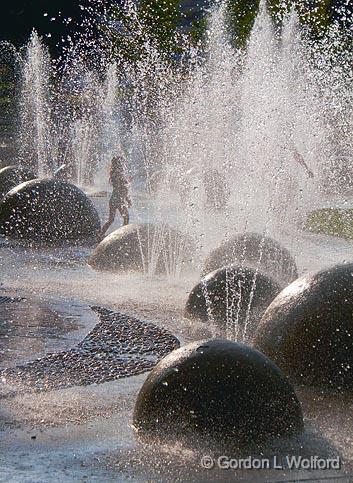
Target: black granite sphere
[142,247]
[223,390]
[49,212]
[256,251]
[232,296]
[308,329]
[11,176]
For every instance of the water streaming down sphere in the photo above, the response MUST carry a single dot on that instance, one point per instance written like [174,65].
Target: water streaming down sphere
[233,298]
[148,248]
[256,251]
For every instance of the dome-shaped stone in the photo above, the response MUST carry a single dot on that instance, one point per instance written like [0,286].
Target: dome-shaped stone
[219,389]
[232,297]
[308,329]
[50,212]
[256,251]
[143,247]
[11,176]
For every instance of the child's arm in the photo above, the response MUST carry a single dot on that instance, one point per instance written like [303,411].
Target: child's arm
[299,159]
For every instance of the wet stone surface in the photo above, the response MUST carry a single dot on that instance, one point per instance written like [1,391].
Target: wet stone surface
[31,327]
[119,346]
[5,299]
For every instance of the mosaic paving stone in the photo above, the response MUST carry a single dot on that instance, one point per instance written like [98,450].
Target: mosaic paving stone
[118,346]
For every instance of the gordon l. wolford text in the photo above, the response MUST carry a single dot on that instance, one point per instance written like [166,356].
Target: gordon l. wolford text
[292,462]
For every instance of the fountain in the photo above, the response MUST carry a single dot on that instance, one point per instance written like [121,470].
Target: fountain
[247,113]
[63,119]
[228,147]
[35,108]
[258,118]
[233,140]
[111,124]
[247,116]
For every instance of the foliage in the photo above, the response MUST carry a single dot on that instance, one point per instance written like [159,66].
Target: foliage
[161,21]
[315,15]
[7,86]
[241,17]
[153,23]
[331,221]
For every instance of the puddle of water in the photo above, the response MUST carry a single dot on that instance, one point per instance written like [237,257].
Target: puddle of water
[32,327]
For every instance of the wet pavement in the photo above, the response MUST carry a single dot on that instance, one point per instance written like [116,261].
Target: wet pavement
[83,433]
[118,346]
[31,327]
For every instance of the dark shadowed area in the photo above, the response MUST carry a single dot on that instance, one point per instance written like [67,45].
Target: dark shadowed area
[52,19]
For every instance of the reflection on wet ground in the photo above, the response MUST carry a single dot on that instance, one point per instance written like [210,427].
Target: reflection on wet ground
[31,327]
[118,346]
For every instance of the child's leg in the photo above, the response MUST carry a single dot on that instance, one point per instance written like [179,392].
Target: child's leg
[112,211]
[124,211]
[125,214]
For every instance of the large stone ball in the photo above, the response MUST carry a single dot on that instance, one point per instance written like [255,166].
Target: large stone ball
[220,389]
[256,251]
[50,212]
[232,297]
[11,176]
[308,329]
[143,247]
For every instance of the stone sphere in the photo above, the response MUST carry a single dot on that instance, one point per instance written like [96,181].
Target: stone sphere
[220,389]
[256,251]
[308,329]
[49,212]
[232,296]
[11,176]
[143,247]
